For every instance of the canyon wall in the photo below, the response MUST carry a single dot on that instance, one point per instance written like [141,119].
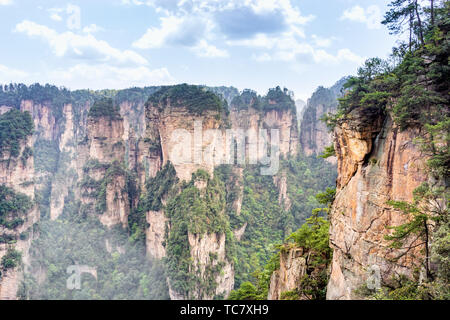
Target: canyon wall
[377,162]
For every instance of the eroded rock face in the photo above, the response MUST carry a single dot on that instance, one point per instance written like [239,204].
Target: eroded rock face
[293,267]
[105,139]
[207,252]
[19,176]
[117,203]
[155,234]
[281,184]
[174,134]
[283,120]
[376,163]
[354,138]
[315,136]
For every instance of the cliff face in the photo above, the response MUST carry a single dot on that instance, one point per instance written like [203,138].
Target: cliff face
[180,135]
[209,251]
[175,134]
[314,134]
[17,174]
[293,266]
[376,163]
[283,120]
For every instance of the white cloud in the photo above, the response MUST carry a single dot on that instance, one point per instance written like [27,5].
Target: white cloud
[157,37]
[322,42]
[135,2]
[12,75]
[201,24]
[6,2]
[83,76]
[264,57]
[92,28]
[291,47]
[203,49]
[343,55]
[88,76]
[370,16]
[80,46]
[55,17]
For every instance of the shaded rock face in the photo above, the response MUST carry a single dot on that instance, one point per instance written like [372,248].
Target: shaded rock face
[207,252]
[376,163]
[314,134]
[155,234]
[19,176]
[105,139]
[293,267]
[281,184]
[117,203]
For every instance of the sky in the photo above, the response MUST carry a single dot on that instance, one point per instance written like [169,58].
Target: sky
[256,44]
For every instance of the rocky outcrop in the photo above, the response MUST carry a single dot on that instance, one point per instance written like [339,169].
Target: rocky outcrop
[208,253]
[106,154]
[293,266]
[280,182]
[377,162]
[92,159]
[155,234]
[177,135]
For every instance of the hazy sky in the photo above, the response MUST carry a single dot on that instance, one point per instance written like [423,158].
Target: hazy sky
[257,44]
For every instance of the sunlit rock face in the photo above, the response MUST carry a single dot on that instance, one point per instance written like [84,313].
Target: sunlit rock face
[293,266]
[377,162]
[176,129]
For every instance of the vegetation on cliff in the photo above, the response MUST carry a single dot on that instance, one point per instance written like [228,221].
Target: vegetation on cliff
[197,212]
[276,99]
[412,86]
[313,238]
[105,107]
[15,127]
[194,98]
[266,219]
[13,207]
[10,260]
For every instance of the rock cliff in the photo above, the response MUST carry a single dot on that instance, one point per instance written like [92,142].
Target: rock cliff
[377,162]
[314,134]
[293,266]
[16,227]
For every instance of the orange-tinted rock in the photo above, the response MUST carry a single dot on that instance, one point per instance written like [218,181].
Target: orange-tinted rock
[376,163]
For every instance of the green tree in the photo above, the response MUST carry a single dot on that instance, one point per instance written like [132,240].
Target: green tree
[426,210]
